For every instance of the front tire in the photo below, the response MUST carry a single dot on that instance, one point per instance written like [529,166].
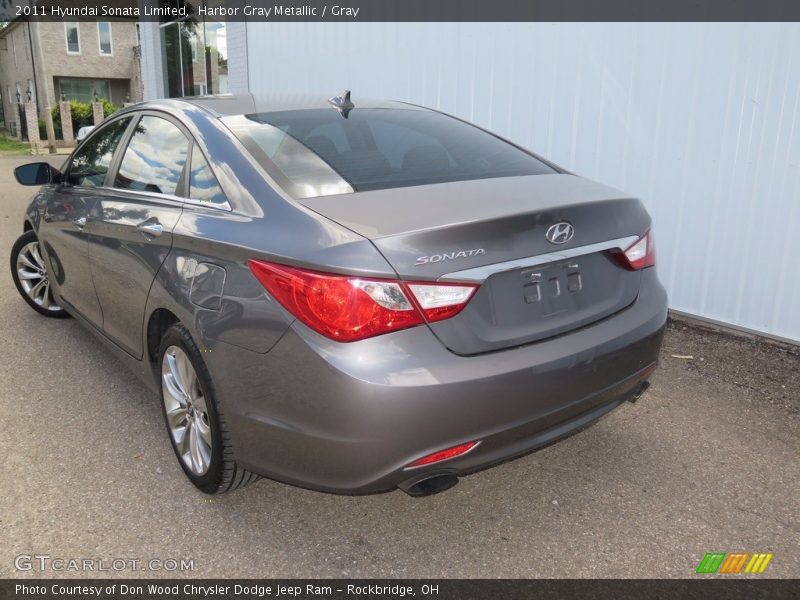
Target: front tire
[29,271]
[195,421]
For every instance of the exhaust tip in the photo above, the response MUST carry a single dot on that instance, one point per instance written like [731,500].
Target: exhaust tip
[640,391]
[429,486]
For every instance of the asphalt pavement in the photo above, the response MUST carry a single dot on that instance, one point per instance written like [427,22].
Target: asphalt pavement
[708,460]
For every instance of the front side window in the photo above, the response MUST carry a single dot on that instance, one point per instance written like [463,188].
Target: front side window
[90,164]
[320,152]
[203,185]
[104,38]
[155,157]
[72,32]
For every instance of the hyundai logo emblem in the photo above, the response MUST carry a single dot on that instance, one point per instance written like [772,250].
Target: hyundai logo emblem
[560,233]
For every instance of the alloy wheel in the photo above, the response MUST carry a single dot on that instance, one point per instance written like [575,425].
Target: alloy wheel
[33,278]
[186,410]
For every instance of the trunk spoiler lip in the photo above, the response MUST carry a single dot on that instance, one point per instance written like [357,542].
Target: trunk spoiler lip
[482,273]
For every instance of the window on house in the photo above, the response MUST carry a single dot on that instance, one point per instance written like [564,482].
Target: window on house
[72,32]
[104,38]
[195,56]
[84,90]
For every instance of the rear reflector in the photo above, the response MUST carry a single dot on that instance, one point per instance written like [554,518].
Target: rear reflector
[640,254]
[443,455]
[347,308]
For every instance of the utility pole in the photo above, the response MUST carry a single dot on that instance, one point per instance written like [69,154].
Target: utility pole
[48,113]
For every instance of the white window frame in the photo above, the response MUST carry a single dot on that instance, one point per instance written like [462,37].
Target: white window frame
[110,40]
[66,37]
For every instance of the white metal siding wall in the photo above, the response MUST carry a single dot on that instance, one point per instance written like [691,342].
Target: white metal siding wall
[698,120]
[236,37]
[152,60]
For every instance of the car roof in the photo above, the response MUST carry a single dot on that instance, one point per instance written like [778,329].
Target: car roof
[241,104]
[228,105]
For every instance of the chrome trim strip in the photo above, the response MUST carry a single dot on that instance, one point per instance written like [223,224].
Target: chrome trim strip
[170,198]
[481,274]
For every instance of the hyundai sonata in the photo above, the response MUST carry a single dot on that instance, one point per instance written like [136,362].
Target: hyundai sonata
[348,296]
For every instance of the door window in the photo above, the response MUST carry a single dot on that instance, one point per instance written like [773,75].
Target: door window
[90,164]
[203,185]
[155,157]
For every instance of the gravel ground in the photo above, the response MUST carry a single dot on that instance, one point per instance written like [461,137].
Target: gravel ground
[706,461]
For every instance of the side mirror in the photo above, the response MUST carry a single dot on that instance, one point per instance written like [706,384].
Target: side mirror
[40,173]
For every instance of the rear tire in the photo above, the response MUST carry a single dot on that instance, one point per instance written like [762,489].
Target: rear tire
[195,422]
[29,271]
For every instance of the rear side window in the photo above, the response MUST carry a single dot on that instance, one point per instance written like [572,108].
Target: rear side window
[203,185]
[321,152]
[155,157]
[90,163]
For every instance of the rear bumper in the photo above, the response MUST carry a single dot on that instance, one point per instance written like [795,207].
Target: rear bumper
[348,417]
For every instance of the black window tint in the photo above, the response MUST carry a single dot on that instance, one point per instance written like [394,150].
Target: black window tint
[203,185]
[400,145]
[329,135]
[377,148]
[155,157]
[90,164]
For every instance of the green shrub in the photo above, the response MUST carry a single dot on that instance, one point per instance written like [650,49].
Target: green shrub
[56,130]
[82,115]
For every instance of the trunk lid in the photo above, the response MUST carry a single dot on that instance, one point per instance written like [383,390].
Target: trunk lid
[492,231]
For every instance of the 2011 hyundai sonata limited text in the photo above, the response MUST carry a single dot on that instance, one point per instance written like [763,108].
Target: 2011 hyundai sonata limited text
[346,295]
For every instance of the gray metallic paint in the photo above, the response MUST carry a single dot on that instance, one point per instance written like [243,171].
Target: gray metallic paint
[347,417]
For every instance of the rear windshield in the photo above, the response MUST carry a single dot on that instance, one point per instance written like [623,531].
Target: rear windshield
[321,152]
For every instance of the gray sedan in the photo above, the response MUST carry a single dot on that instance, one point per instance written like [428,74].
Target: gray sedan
[351,296]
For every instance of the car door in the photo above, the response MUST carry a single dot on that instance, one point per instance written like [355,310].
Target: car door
[63,228]
[132,233]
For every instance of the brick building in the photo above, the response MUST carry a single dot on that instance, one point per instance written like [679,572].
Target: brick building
[72,60]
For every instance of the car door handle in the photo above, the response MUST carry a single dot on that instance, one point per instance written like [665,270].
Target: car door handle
[150,228]
[80,222]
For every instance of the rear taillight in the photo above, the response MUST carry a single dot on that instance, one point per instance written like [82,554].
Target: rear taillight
[347,308]
[640,254]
